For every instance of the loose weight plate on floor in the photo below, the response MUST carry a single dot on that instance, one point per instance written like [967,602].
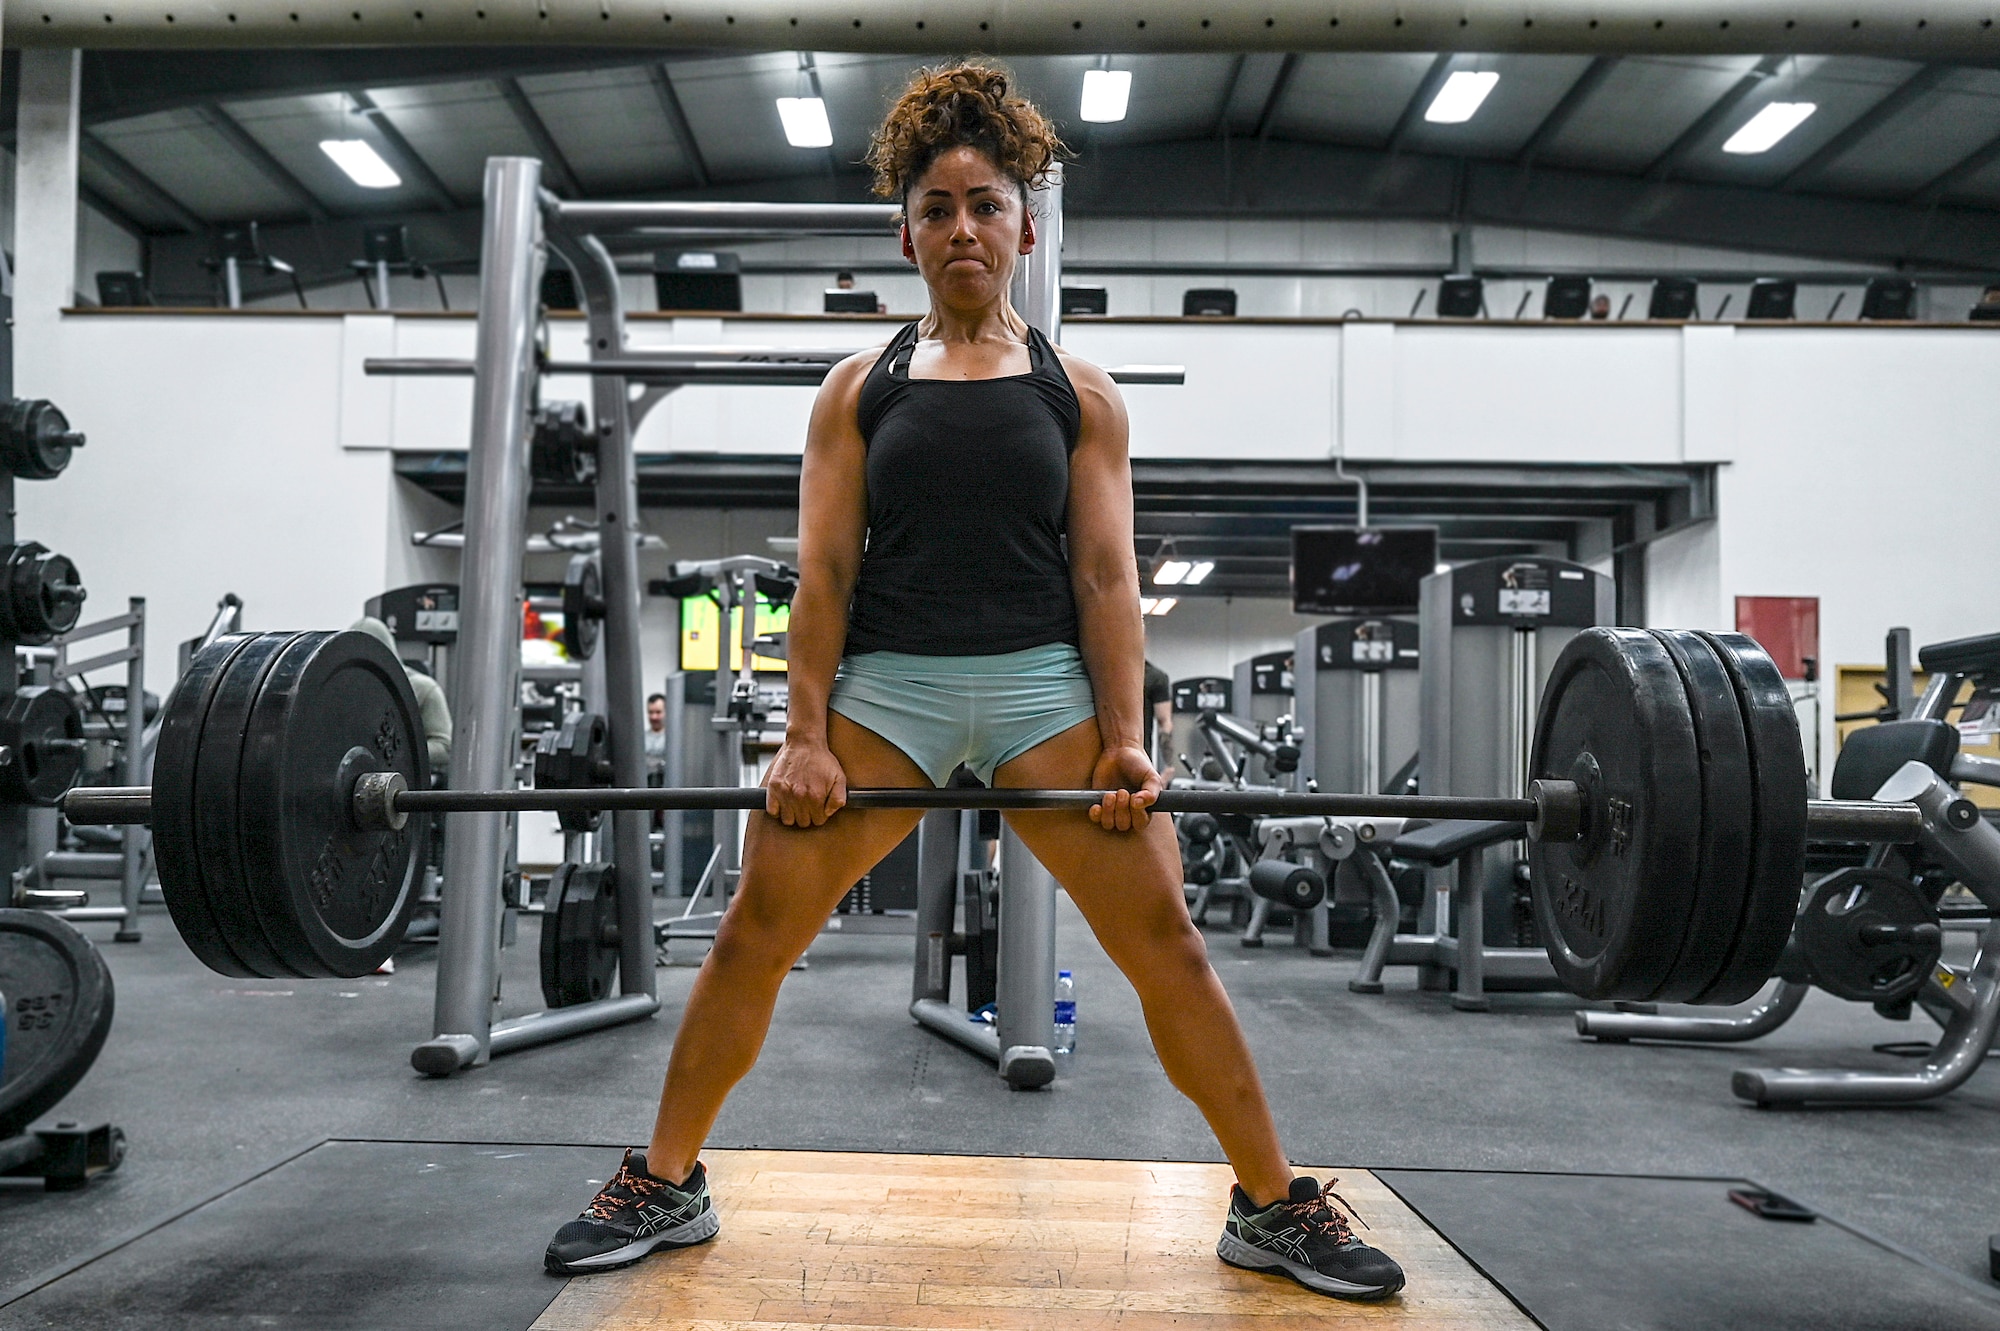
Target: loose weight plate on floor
[59,1003]
[176,837]
[332,898]
[1778,810]
[1613,905]
[579,934]
[1722,876]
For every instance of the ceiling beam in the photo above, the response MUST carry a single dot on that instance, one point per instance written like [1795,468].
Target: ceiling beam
[250,150]
[562,175]
[1564,111]
[111,212]
[413,164]
[106,159]
[1705,124]
[1898,99]
[1286,68]
[1229,96]
[1419,101]
[1935,190]
[677,121]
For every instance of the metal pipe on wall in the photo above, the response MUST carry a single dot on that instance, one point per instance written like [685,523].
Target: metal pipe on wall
[1942,29]
[489,644]
[1037,291]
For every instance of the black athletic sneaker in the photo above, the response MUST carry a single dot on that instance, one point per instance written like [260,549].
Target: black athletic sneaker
[1307,1238]
[634,1214]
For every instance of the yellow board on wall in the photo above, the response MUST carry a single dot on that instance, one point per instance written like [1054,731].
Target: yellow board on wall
[700,619]
[1854,691]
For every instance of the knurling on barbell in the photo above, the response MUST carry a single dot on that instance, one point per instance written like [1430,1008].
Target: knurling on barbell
[290,765]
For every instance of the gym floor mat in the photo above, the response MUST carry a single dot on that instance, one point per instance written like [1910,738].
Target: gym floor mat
[1594,1252]
[349,1234]
[999,1243]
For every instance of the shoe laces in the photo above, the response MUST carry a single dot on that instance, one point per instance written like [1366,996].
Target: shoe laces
[1328,1213]
[626,1185]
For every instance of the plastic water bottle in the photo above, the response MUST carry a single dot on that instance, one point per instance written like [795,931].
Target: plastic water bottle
[1065,1013]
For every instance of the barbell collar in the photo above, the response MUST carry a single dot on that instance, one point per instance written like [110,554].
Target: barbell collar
[1862,820]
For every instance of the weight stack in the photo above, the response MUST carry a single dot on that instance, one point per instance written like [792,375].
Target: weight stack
[1491,632]
[1334,665]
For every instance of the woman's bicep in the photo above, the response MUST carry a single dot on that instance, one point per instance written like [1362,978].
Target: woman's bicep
[1100,486]
[833,484]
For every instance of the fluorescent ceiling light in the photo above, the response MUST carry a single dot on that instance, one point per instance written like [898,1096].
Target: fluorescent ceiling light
[363,165]
[1170,572]
[1762,131]
[805,122]
[1161,606]
[1146,604]
[1460,96]
[1105,93]
[1198,573]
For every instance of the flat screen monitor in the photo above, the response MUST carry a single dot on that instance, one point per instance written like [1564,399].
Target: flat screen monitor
[1673,298]
[701,622]
[1772,298]
[698,280]
[1210,302]
[1461,297]
[850,301]
[1360,570]
[122,289]
[1890,298]
[1085,300]
[388,242]
[1566,298]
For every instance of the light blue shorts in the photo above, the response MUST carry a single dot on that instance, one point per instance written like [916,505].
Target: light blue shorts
[978,710]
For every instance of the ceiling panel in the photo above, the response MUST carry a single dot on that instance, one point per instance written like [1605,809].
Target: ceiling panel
[1841,89]
[610,125]
[1934,135]
[732,105]
[131,202]
[291,130]
[455,127]
[1642,108]
[179,152]
[1347,97]
[1529,88]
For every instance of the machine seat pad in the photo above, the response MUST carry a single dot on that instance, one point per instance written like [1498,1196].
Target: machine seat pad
[1873,754]
[1445,841]
[1963,656]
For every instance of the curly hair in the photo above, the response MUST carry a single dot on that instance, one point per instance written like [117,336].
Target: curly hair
[963,104]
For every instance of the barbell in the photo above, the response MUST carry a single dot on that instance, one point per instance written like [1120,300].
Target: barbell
[1666,812]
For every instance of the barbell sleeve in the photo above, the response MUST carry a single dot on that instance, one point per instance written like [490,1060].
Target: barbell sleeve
[1862,820]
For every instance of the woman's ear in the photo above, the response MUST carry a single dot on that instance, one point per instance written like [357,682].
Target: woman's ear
[1027,230]
[909,250]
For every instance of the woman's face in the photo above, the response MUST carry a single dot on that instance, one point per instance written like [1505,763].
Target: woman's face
[966,226]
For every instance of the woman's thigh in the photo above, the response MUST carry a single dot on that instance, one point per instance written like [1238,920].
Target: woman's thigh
[1127,884]
[793,877]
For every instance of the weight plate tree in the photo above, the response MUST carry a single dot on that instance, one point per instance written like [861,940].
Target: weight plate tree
[290,765]
[59,1004]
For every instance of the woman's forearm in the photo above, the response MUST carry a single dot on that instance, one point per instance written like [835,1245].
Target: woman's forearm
[1112,642]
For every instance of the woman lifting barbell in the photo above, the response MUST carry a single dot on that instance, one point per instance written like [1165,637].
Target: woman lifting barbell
[968,446]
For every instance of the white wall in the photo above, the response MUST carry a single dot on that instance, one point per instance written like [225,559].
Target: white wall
[247,453]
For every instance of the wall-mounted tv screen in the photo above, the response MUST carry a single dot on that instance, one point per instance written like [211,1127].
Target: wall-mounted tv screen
[700,633]
[1360,570]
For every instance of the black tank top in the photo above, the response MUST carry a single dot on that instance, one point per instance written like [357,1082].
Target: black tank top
[968,497]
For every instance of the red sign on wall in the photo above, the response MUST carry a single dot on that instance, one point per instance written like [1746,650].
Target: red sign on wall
[1787,627]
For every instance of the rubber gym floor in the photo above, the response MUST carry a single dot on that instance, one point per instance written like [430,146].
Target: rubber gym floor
[286,1168]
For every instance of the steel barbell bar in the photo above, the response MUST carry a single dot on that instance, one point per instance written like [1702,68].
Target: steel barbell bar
[1552,810]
